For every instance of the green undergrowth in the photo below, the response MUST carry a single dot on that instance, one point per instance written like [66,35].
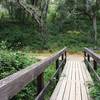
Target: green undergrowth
[95,88]
[25,37]
[13,61]
[30,91]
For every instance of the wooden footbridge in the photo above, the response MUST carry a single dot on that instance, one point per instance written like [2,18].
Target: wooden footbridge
[73,81]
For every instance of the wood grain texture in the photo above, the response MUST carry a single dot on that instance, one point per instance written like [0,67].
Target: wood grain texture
[13,84]
[92,54]
[74,86]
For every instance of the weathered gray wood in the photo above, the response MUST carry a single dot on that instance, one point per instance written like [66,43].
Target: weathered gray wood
[56,91]
[78,86]
[74,84]
[13,84]
[57,65]
[94,65]
[96,60]
[40,83]
[92,54]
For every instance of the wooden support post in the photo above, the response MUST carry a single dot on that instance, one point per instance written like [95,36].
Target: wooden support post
[65,56]
[57,65]
[94,65]
[62,57]
[62,60]
[88,57]
[40,83]
[84,55]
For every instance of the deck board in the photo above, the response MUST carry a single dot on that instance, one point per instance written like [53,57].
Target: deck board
[68,84]
[73,83]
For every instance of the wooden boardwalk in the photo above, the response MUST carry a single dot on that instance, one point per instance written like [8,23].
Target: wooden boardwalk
[73,83]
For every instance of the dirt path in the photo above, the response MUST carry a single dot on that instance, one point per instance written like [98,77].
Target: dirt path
[76,57]
[70,56]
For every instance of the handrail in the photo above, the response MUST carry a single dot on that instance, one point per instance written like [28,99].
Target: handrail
[14,83]
[92,54]
[96,60]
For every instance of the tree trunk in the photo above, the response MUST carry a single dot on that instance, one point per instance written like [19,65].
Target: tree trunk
[95,28]
[39,11]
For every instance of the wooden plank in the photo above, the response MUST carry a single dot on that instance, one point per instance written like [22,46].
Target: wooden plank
[78,83]
[72,92]
[56,91]
[83,86]
[84,93]
[68,85]
[84,74]
[73,86]
[87,78]
[87,73]
[80,74]
[95,56]
[63,85]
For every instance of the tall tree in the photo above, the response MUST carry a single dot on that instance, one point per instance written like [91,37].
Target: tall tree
[38,10]
[91,9]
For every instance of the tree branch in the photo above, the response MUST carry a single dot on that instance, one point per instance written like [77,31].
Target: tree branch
[33,11]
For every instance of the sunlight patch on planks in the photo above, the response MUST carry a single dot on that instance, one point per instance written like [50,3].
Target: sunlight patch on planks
[73,83]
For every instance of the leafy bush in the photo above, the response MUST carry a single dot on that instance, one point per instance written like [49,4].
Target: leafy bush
[95,89]
[11,62]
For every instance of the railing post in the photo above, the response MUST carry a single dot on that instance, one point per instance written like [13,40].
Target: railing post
[94,65]
[84,55]
[62,57]
[57,65]
[62,60]
[65,56]
[40,83]
[88,57]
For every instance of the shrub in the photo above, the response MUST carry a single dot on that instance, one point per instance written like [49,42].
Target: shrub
[95,91]
[11,62]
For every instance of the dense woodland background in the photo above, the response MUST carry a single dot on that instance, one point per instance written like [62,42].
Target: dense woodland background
[73,23]
[29,26]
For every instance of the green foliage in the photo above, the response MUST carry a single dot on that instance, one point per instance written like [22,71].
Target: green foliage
[95,91]
[47,76]
[66,27]
[12,62]
[95,88]
[3,45]
[49,72]
[28,93]
[98,71]
[20,37]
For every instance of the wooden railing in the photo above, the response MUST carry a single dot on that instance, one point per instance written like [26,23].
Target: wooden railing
[91,55]
[13,84]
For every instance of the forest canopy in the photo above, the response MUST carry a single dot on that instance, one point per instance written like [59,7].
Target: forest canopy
[48,20]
